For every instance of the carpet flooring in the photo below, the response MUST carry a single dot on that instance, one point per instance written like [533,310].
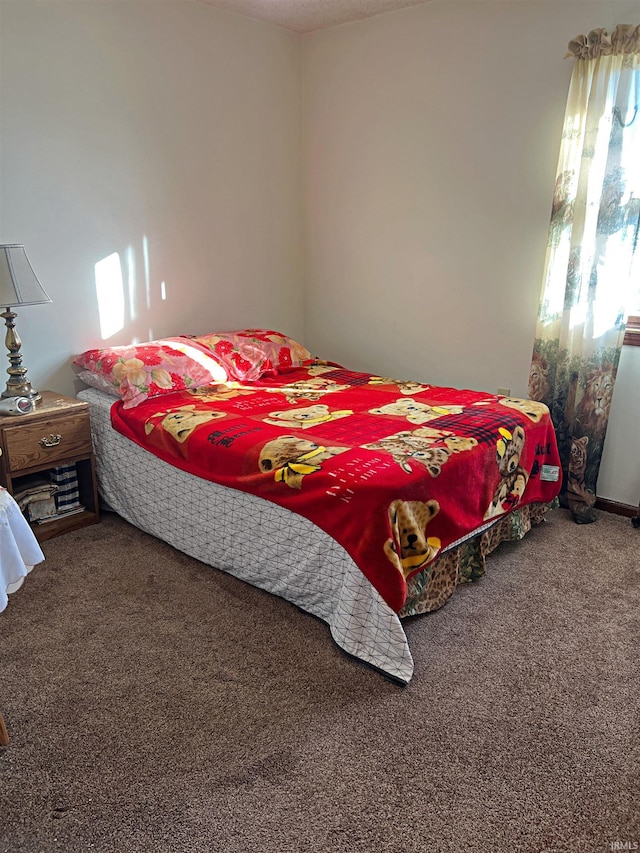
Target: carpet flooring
[155,704]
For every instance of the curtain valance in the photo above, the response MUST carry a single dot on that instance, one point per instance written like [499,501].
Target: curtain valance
[624,39]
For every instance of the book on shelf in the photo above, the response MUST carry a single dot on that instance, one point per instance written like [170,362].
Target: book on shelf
[61,514]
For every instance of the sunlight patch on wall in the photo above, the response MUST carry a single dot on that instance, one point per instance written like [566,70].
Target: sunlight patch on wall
[110,293]
[147,278]
[121,291]
[131,281]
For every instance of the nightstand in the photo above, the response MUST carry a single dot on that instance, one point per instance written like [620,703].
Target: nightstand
[56,433]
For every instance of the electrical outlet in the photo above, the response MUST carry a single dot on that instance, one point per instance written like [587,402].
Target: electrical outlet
[504,392]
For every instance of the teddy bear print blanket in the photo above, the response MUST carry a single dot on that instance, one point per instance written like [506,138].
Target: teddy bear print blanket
[396,472]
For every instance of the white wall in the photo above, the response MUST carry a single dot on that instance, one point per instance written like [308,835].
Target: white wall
[619,478]
[431,141]
[168,132]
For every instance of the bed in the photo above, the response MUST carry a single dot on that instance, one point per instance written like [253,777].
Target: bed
[361,499]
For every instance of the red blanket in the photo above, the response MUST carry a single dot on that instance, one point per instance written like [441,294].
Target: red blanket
[395,471]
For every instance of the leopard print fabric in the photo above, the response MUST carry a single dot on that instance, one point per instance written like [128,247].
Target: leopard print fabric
[433,586]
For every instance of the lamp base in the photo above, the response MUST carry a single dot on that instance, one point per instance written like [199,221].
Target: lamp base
[18,385]
[23,390]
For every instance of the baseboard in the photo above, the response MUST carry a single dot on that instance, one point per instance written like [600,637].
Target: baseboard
[616,507]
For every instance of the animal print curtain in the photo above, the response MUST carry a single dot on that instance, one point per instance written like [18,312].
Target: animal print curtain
[592,261]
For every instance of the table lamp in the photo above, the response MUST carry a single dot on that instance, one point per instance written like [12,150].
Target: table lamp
[19,285]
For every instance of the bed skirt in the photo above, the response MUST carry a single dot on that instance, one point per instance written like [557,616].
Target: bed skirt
[430,589]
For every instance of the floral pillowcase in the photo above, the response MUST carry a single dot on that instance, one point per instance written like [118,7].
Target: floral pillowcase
[139,371]
[248,354]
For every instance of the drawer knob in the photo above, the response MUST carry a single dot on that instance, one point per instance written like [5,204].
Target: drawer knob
[51,440]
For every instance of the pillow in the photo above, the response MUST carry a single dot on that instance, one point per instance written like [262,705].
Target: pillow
[96,380]
[139,371]
[248,354]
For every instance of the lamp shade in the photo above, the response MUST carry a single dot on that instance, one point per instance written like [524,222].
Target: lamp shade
[19,284]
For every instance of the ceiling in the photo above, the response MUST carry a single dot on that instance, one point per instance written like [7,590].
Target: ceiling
[304,16]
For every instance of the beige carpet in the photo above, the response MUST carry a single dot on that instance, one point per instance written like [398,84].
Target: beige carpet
[155,704]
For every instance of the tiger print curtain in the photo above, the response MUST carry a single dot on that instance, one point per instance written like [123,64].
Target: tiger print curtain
[592,263]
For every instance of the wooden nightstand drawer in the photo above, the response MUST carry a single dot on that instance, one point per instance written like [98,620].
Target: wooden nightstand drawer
[47,442]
